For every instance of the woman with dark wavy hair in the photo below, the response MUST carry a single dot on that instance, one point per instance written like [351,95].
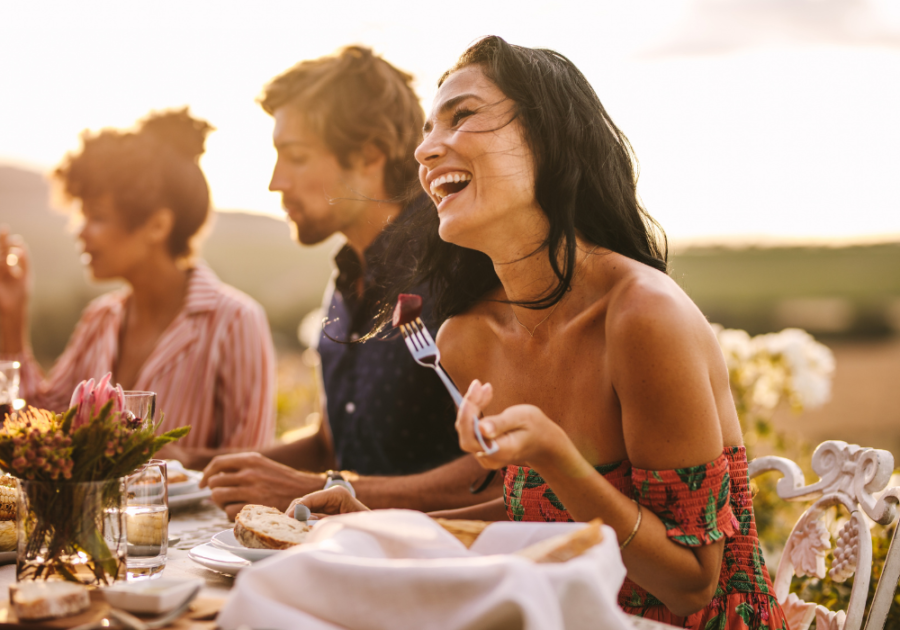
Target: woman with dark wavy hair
[175,329]
[601,383]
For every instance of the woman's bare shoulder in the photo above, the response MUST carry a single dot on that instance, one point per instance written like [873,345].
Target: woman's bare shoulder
[473,326]
[647,301]
[459,334]
[663,354]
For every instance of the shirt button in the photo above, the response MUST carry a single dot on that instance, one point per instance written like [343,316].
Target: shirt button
[349,407]
[354,337]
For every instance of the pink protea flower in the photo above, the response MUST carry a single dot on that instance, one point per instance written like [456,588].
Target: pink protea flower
[90,398]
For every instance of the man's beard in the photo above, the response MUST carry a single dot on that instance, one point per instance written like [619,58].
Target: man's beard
[307,235]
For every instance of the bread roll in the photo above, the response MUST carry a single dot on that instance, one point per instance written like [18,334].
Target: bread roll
[48,600]
[566,546]
[9,498]
[8,536]
[260,527]
[8,507]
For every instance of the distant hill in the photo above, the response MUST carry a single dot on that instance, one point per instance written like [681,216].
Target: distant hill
[251,252]
[839,292]
[851,291]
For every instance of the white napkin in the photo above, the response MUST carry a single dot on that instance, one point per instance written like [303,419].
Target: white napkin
[399,569]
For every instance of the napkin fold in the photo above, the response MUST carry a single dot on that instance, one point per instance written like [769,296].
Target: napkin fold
[399,569]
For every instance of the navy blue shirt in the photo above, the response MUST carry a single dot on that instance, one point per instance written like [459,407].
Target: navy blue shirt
[388,415]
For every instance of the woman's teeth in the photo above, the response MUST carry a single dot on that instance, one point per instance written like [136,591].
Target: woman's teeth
[449,183]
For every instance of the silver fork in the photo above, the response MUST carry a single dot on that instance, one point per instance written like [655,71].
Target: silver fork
[423,349]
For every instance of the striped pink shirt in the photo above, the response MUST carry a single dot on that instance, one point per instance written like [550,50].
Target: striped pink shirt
[213,368]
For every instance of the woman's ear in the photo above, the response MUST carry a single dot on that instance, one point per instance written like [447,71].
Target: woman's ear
[159,226]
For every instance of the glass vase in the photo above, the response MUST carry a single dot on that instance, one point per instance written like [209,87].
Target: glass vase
[72,531]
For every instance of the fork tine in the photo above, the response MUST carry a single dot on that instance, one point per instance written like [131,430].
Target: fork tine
[407,337]
[424,330]
[420,338]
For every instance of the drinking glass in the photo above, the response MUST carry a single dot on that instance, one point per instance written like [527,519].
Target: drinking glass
[9,387]
[141,406]
[147,520]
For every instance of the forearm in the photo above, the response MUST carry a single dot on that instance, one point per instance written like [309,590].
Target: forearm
[310,453]
[443,488]
[14,332]
[494,510]
[683,578]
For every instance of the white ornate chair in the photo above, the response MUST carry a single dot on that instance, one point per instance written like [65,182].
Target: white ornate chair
[849,475]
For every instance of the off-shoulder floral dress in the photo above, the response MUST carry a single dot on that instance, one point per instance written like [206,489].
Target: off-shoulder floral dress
[698,506]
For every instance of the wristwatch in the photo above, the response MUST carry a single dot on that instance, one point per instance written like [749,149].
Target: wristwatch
[335,478]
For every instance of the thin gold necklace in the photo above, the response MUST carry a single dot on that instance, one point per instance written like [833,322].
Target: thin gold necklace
[534,330]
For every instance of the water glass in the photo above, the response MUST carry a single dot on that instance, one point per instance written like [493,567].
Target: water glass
[141,406]
[147,520]
[9,387]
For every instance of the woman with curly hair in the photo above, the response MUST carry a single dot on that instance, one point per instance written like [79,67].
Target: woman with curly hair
[175,329]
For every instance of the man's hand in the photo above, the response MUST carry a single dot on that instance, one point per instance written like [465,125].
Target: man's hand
[249,478]
[335,500]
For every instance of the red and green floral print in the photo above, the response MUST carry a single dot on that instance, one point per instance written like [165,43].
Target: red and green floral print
[699,506]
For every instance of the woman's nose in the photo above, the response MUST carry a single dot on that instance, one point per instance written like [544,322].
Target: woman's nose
[431,148]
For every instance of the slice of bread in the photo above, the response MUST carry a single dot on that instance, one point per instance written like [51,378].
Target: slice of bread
[566,546]
[465,531]
[260,527]
[48,600]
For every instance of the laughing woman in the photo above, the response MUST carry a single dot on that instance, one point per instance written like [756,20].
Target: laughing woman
[599,380]
[175,329]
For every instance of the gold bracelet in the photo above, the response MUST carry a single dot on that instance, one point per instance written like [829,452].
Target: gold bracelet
[637,524]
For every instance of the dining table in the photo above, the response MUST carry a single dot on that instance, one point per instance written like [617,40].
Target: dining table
[190,527]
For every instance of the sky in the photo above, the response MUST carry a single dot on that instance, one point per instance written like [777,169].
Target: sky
[753,120]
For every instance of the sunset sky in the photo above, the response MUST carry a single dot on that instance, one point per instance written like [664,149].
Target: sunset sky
[753,120]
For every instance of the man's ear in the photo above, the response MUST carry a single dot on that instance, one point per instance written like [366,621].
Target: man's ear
[370,159]
[159,226]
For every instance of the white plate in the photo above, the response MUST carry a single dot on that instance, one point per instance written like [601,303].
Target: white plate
[217,559]
[7,557]
[186,500]
[226,540]
[186,487]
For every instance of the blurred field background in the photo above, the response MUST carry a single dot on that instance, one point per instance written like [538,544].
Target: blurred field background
[848,297]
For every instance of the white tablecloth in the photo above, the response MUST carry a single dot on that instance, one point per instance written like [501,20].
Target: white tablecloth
[195,526]
[397,569]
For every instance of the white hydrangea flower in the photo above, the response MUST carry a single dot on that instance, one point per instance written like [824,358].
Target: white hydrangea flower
[736,345]
[766,369]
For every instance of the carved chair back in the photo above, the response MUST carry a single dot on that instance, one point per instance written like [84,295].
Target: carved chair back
[849,476]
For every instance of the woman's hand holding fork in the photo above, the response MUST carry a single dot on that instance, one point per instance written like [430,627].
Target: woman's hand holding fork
[524,434]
